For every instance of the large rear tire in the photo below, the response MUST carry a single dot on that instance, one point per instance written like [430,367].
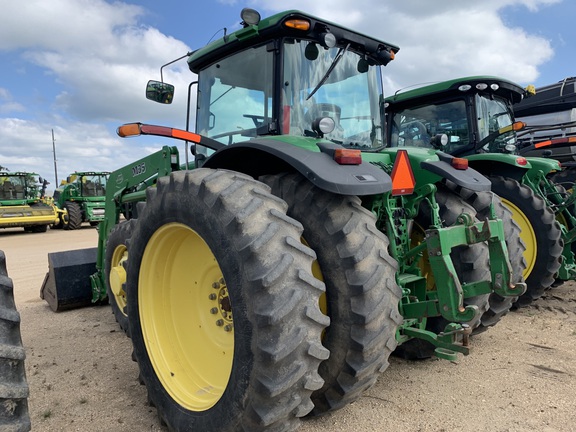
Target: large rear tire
[115,272]
[540,233]
[470,262]
[361,292]
[499,306]
[223,307]
[14,416]
[74,216]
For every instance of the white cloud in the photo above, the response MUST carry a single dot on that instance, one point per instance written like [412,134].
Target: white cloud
[98,56]
[7,104]
[27,146]
[439,40]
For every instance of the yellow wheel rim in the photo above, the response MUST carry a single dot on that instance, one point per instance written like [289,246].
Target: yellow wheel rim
[527,234]
[117,277]
[317,273]
[186,317]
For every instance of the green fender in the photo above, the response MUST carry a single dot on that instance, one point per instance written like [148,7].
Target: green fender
[544,165]
[506,165]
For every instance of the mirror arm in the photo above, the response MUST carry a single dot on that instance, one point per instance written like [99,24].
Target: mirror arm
[188,119]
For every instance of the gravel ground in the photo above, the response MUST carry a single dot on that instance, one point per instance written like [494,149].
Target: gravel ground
[520,376]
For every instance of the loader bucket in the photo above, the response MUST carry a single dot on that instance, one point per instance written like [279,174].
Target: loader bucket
[67,283]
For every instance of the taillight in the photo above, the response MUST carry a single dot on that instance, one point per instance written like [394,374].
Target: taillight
[521,161]
[402,176]
[459,163]
[348,156]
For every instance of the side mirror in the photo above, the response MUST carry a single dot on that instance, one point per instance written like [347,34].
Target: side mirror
[159,92]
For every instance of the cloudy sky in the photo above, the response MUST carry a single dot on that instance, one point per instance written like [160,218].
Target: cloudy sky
[79,67]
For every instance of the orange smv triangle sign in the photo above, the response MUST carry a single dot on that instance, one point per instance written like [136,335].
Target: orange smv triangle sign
[402,175]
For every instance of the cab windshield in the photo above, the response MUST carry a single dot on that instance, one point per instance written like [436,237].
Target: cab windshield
[93,185]
[349,95]
[13,187]
[492,115]
[415,127]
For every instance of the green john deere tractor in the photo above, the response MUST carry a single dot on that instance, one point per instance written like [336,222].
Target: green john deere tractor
[82,195]
[23,204]
[472,118]
[274,279]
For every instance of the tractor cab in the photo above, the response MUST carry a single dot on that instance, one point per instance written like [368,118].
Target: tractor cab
[461,117]
[21,186]
[289,74]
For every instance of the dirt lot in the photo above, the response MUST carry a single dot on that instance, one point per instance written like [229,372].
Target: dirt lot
[520,376]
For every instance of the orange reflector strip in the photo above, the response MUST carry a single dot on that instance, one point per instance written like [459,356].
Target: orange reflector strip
[459,163]
[128,130]
[555,142]
[347,156]
[135,129]
[543,144]
[298,24]
[402,176]
[185,135]
[521,161]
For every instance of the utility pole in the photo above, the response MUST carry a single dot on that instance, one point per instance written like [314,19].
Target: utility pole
[54,151]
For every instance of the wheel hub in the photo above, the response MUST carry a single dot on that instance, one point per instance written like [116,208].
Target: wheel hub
[221,306]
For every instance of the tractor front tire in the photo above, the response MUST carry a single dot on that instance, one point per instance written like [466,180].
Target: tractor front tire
[74,216]
[223,308]
[362,296]
[14,390]
[115,272]
[540,233]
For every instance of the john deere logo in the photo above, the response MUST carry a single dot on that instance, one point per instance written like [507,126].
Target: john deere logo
[119,179]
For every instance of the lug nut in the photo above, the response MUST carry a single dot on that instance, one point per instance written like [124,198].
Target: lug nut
[212,296]
[220,323]
[215,285]
[214,310]
[228,327]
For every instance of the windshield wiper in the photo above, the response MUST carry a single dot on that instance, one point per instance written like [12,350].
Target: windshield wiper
[329,71]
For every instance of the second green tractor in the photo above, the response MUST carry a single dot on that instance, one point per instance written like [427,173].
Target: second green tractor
[472,118]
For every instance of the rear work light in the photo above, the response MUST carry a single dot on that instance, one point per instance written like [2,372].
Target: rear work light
[402,176]
[348,156]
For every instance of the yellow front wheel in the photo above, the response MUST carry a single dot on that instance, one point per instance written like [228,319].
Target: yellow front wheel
[115,272]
